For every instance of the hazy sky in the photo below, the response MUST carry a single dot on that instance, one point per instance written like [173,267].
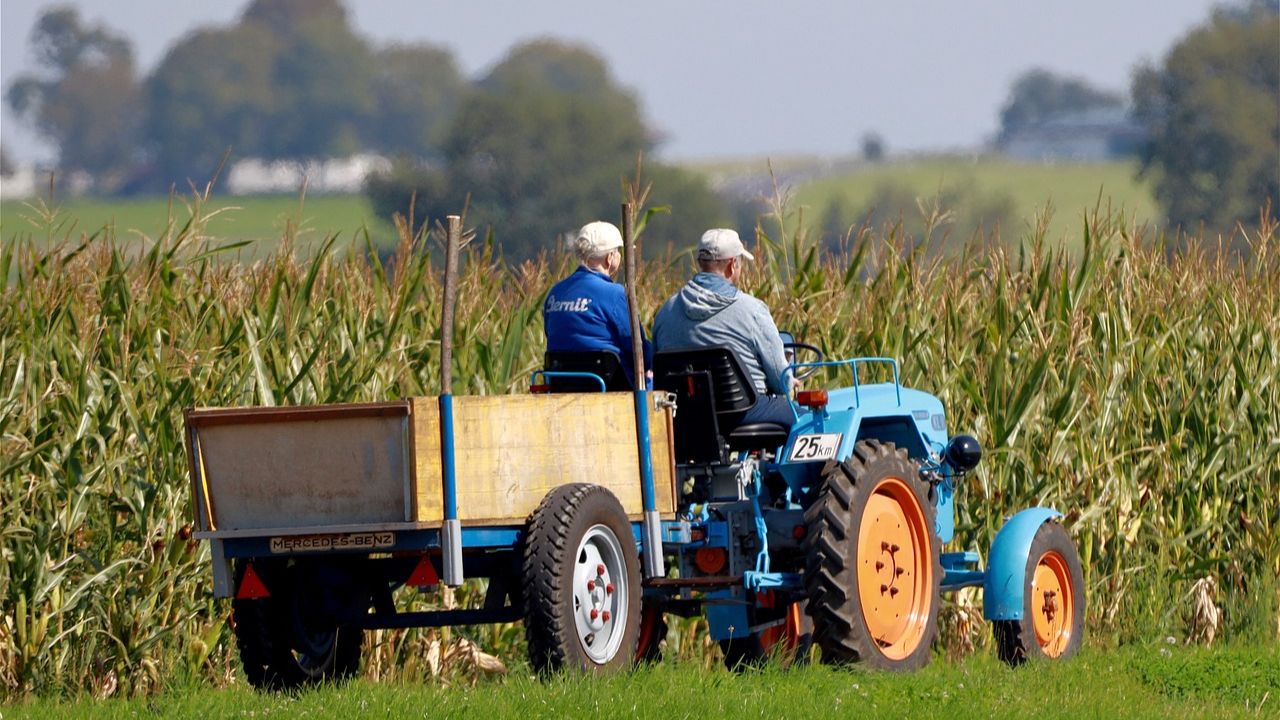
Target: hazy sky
[744,78]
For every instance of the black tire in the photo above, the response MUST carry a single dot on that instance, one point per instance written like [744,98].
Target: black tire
[833,523]
[1016,640]
[281,648]
[567,526]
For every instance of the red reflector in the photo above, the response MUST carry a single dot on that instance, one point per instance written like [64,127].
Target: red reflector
[798,532]
[251,587]
[812,398]
[424,574]
[539,389]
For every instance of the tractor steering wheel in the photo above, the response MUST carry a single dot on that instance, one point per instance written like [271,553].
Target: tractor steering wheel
[791,348]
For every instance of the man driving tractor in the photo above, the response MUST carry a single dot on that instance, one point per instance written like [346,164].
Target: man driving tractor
[710,310]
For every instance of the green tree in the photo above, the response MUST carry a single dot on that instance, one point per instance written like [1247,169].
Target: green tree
[1213,121]
[1040,95]
[542,145]
[87,102]
[539,149]
[873,147]
[291,80]
[322,78]
[209,94]
[692,208]
[417,90]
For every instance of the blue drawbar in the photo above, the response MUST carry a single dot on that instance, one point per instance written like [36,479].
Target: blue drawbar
[588,311]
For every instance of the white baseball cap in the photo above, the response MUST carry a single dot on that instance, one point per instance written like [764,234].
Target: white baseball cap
[597,238]
[721,244]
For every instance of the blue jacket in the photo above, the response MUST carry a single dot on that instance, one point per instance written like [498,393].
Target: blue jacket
[588,311]
[709,310]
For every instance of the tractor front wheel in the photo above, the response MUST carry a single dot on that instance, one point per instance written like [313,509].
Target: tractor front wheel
[1052,624]
[581,582]
[873,569]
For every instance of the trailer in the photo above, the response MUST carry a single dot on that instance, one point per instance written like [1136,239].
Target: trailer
[594,510]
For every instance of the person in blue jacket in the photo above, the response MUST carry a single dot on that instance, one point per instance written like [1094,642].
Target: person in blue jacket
[587,310]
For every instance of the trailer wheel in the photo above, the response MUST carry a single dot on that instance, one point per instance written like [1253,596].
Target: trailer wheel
[873,570]
[789,636]
[1052,624]
[581,582]
[283,646]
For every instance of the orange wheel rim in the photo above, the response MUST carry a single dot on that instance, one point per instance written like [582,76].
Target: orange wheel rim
[895,568]
[1052,604]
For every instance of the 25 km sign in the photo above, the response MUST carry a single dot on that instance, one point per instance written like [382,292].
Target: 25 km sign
[819,446]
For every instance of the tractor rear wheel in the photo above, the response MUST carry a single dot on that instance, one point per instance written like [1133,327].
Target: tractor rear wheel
[1052,624]
[873,570]
[285,643]
[581,582]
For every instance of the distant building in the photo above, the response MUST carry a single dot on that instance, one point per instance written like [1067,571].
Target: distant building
[1090,135]
[21,183]
[254,176]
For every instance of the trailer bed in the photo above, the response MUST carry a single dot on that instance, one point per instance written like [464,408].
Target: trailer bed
[338,468]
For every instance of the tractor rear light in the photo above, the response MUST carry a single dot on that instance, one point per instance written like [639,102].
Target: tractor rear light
[799,531]
[697,533]
[710,560]
[540,389]
[814,399]
[251,586]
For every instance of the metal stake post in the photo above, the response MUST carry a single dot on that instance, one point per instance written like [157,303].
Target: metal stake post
[651,538]
[451,530]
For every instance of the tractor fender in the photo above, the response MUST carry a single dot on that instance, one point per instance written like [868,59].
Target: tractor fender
[1004,582]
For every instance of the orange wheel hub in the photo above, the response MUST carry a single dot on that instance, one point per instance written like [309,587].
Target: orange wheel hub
[787,633]
[1052,604]
[895,568]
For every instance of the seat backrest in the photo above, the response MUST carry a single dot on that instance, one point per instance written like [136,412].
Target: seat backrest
[604,363]
[732,390]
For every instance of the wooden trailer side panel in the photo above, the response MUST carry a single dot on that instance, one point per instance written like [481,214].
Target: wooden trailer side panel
[300,467]
[512,450]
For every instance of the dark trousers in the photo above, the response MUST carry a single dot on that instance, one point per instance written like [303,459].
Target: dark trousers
[771,409]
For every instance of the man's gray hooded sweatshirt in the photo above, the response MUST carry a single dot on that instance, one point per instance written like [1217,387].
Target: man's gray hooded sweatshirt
[709,310]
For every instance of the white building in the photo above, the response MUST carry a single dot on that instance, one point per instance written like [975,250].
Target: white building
[253,176]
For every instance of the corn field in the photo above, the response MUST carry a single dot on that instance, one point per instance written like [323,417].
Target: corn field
[1133,386]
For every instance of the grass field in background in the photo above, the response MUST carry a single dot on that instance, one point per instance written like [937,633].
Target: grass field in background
[1154,681]
[259,218]
[1069,187]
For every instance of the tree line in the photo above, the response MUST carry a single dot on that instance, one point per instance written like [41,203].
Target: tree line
[539,143]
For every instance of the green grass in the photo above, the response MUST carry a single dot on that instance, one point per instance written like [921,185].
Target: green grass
[261,219]
[1069,188]
[1136,682]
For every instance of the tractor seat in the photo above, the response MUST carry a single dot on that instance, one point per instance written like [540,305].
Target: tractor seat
[757,436]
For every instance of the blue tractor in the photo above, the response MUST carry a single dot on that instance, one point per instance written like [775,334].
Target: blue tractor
[828,534]
[831,534]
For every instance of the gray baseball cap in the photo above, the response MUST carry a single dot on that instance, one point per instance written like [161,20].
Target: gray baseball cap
[721,244]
